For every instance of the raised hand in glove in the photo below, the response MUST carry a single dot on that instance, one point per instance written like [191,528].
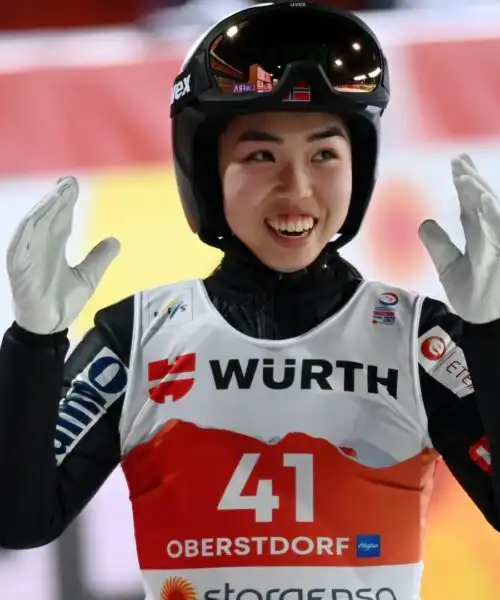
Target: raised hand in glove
[470,279]
[47,293]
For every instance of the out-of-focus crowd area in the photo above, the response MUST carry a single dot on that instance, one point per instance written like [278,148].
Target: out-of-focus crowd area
[164,14]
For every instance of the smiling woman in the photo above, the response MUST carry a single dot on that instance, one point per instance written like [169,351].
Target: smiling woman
[287,181]
[258,403]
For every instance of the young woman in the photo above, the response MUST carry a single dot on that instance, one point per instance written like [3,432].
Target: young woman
[278,422]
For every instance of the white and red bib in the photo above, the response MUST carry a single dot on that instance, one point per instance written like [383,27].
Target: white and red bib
[296,469]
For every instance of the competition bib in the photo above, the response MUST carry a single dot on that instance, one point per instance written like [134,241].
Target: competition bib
[248,484]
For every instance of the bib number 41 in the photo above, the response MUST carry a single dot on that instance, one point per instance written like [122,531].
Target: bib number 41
[264,502]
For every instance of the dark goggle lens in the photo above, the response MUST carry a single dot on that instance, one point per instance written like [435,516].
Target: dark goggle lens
[251,56]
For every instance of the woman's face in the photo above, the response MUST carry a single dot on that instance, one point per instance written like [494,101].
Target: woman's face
[287,181]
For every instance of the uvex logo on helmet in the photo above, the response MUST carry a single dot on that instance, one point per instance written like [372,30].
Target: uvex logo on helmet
[181,87]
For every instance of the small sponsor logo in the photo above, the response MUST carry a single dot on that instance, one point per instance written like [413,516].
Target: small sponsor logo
[480,452]
[384,312]
[388,299]
[433,347]
[368,546]
[173,307]
[178,588]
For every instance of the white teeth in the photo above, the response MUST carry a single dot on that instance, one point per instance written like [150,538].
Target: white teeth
[299,225]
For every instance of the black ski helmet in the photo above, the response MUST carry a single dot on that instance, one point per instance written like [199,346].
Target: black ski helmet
[282,56]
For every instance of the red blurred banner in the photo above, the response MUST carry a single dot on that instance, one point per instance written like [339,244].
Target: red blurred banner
[55,118]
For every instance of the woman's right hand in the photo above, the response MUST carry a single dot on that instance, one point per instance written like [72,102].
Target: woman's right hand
[48,293]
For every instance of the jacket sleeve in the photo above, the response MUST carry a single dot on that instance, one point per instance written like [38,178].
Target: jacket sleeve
[460,382]
[59,437]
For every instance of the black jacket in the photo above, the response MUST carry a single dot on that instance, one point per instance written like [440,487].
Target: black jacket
[42,494]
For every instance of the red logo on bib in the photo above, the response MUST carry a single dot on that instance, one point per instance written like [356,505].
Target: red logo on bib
[170,378]
[433,348]
[178,588]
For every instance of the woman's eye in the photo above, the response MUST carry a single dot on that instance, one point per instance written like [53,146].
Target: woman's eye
[324,155]
[260,156]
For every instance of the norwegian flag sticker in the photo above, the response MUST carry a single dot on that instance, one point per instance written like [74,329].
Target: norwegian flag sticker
[300,93]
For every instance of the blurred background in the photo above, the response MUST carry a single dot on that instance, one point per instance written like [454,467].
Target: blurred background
[85,89]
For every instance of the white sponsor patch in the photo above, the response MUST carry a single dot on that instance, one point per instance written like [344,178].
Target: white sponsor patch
[445,361]
[91,394]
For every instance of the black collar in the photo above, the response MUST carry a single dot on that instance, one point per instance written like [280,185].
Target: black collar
[240,271]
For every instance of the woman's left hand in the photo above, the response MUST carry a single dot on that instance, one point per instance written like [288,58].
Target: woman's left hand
[470,279]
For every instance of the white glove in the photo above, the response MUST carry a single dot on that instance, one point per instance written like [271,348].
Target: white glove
[471,279]
[47,293]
